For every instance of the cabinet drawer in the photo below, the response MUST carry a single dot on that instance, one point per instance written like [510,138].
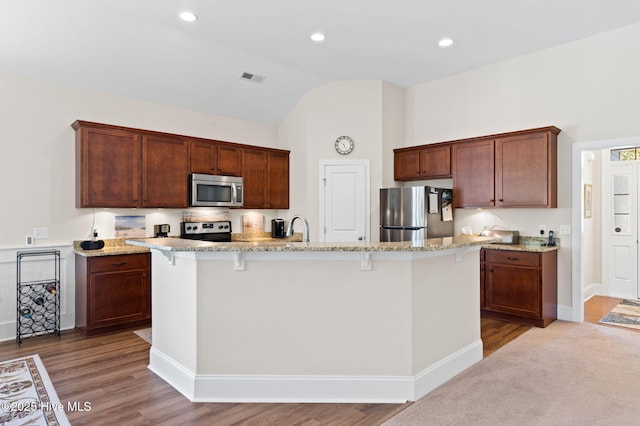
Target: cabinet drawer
[512,257]
[120,262]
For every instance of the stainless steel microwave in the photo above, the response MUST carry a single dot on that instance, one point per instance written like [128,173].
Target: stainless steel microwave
[215,191]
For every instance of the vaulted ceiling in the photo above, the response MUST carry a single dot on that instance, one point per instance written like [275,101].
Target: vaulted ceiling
[141,49]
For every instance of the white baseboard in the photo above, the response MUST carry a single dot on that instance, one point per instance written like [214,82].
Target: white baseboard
[446,369]
[591,290]
[321,389]
[8,329]
[565,313]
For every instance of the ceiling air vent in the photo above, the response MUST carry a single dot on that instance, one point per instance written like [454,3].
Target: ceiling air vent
[252,77]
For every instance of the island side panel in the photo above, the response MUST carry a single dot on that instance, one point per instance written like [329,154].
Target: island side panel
[293,314]
[446,309]
[173,304]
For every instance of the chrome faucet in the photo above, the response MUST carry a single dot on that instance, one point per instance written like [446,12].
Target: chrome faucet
[305,232]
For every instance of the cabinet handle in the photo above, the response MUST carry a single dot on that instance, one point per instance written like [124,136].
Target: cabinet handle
[119,263]
[501,200]
[492,200]
[512,258]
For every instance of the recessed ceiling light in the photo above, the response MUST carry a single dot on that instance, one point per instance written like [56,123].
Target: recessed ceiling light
[188,17]
[445,42]
[317,37]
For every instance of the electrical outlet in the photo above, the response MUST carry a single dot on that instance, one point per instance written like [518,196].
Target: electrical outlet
[565,229]
[542,229]
[28,240]
[40,233]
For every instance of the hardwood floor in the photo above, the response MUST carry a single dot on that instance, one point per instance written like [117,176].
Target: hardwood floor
[110,372]
[496,334]
[597,307]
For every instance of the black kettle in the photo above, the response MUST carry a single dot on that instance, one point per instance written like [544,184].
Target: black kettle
[277,228]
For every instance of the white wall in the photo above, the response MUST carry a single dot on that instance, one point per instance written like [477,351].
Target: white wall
[345,108]
[589,89]
[591,227]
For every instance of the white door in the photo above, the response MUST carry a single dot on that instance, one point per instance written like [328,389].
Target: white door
[344,201]
[620,229]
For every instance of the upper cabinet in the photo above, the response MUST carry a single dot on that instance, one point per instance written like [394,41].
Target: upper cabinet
[425,162]
[517,169]
[215,158]
[266,178]
[108,166]
[121,167]
[473,167]
[165,171]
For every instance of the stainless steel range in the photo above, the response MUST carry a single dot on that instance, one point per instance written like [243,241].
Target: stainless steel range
[219,231]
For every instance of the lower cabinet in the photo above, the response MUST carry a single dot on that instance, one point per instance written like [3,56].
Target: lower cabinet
[113,293]
[519,286]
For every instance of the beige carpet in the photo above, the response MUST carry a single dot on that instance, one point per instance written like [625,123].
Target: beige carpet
[565,374]
[625,314]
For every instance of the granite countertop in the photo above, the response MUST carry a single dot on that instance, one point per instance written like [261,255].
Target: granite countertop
[254,237]
[433,244]
[532,244]
[112,247]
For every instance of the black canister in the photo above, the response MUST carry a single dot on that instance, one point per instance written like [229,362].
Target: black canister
[277,228]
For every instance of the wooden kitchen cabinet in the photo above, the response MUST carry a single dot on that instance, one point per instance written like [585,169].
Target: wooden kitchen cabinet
[122,167]
[165,171]
[266,178]
[113,293]
[473,174]
[125,167]
[108,166]
[519,286]
[214,158]
[278,179]
[424,162]
[517,169]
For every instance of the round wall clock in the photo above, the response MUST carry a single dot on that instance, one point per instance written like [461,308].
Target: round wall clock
[344,145]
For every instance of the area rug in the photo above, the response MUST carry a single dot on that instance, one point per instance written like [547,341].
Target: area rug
[565,374]
[144,334]
[625,314]
[27,396]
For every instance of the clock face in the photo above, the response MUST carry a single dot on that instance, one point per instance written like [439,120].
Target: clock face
[344,145]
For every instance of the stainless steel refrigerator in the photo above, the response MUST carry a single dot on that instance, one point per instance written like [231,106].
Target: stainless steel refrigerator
[415,213]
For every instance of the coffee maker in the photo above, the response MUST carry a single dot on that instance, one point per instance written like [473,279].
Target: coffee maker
[161,230]
[277,228]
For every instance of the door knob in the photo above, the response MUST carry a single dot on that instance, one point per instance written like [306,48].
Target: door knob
[360,238]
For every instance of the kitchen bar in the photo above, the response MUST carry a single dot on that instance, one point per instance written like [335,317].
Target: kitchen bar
[313,322]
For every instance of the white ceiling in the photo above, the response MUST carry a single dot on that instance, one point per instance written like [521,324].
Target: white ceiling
[140,49]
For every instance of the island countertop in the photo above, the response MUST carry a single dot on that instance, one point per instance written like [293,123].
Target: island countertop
[432,244]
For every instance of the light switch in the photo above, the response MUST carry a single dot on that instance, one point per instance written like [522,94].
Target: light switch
[565,229]
[40,233]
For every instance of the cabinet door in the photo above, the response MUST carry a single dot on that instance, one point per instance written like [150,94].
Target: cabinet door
[107,167]
[165,171]
[278,180]
[228,161]
[435,162]
[513,290]
[524,175]
[254,172]
[473,179]
[203,157]
[406,165]
[120,297]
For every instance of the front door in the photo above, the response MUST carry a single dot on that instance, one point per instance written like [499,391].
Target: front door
[344,201]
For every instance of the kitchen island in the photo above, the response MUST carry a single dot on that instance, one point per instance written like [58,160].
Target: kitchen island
[313,322]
